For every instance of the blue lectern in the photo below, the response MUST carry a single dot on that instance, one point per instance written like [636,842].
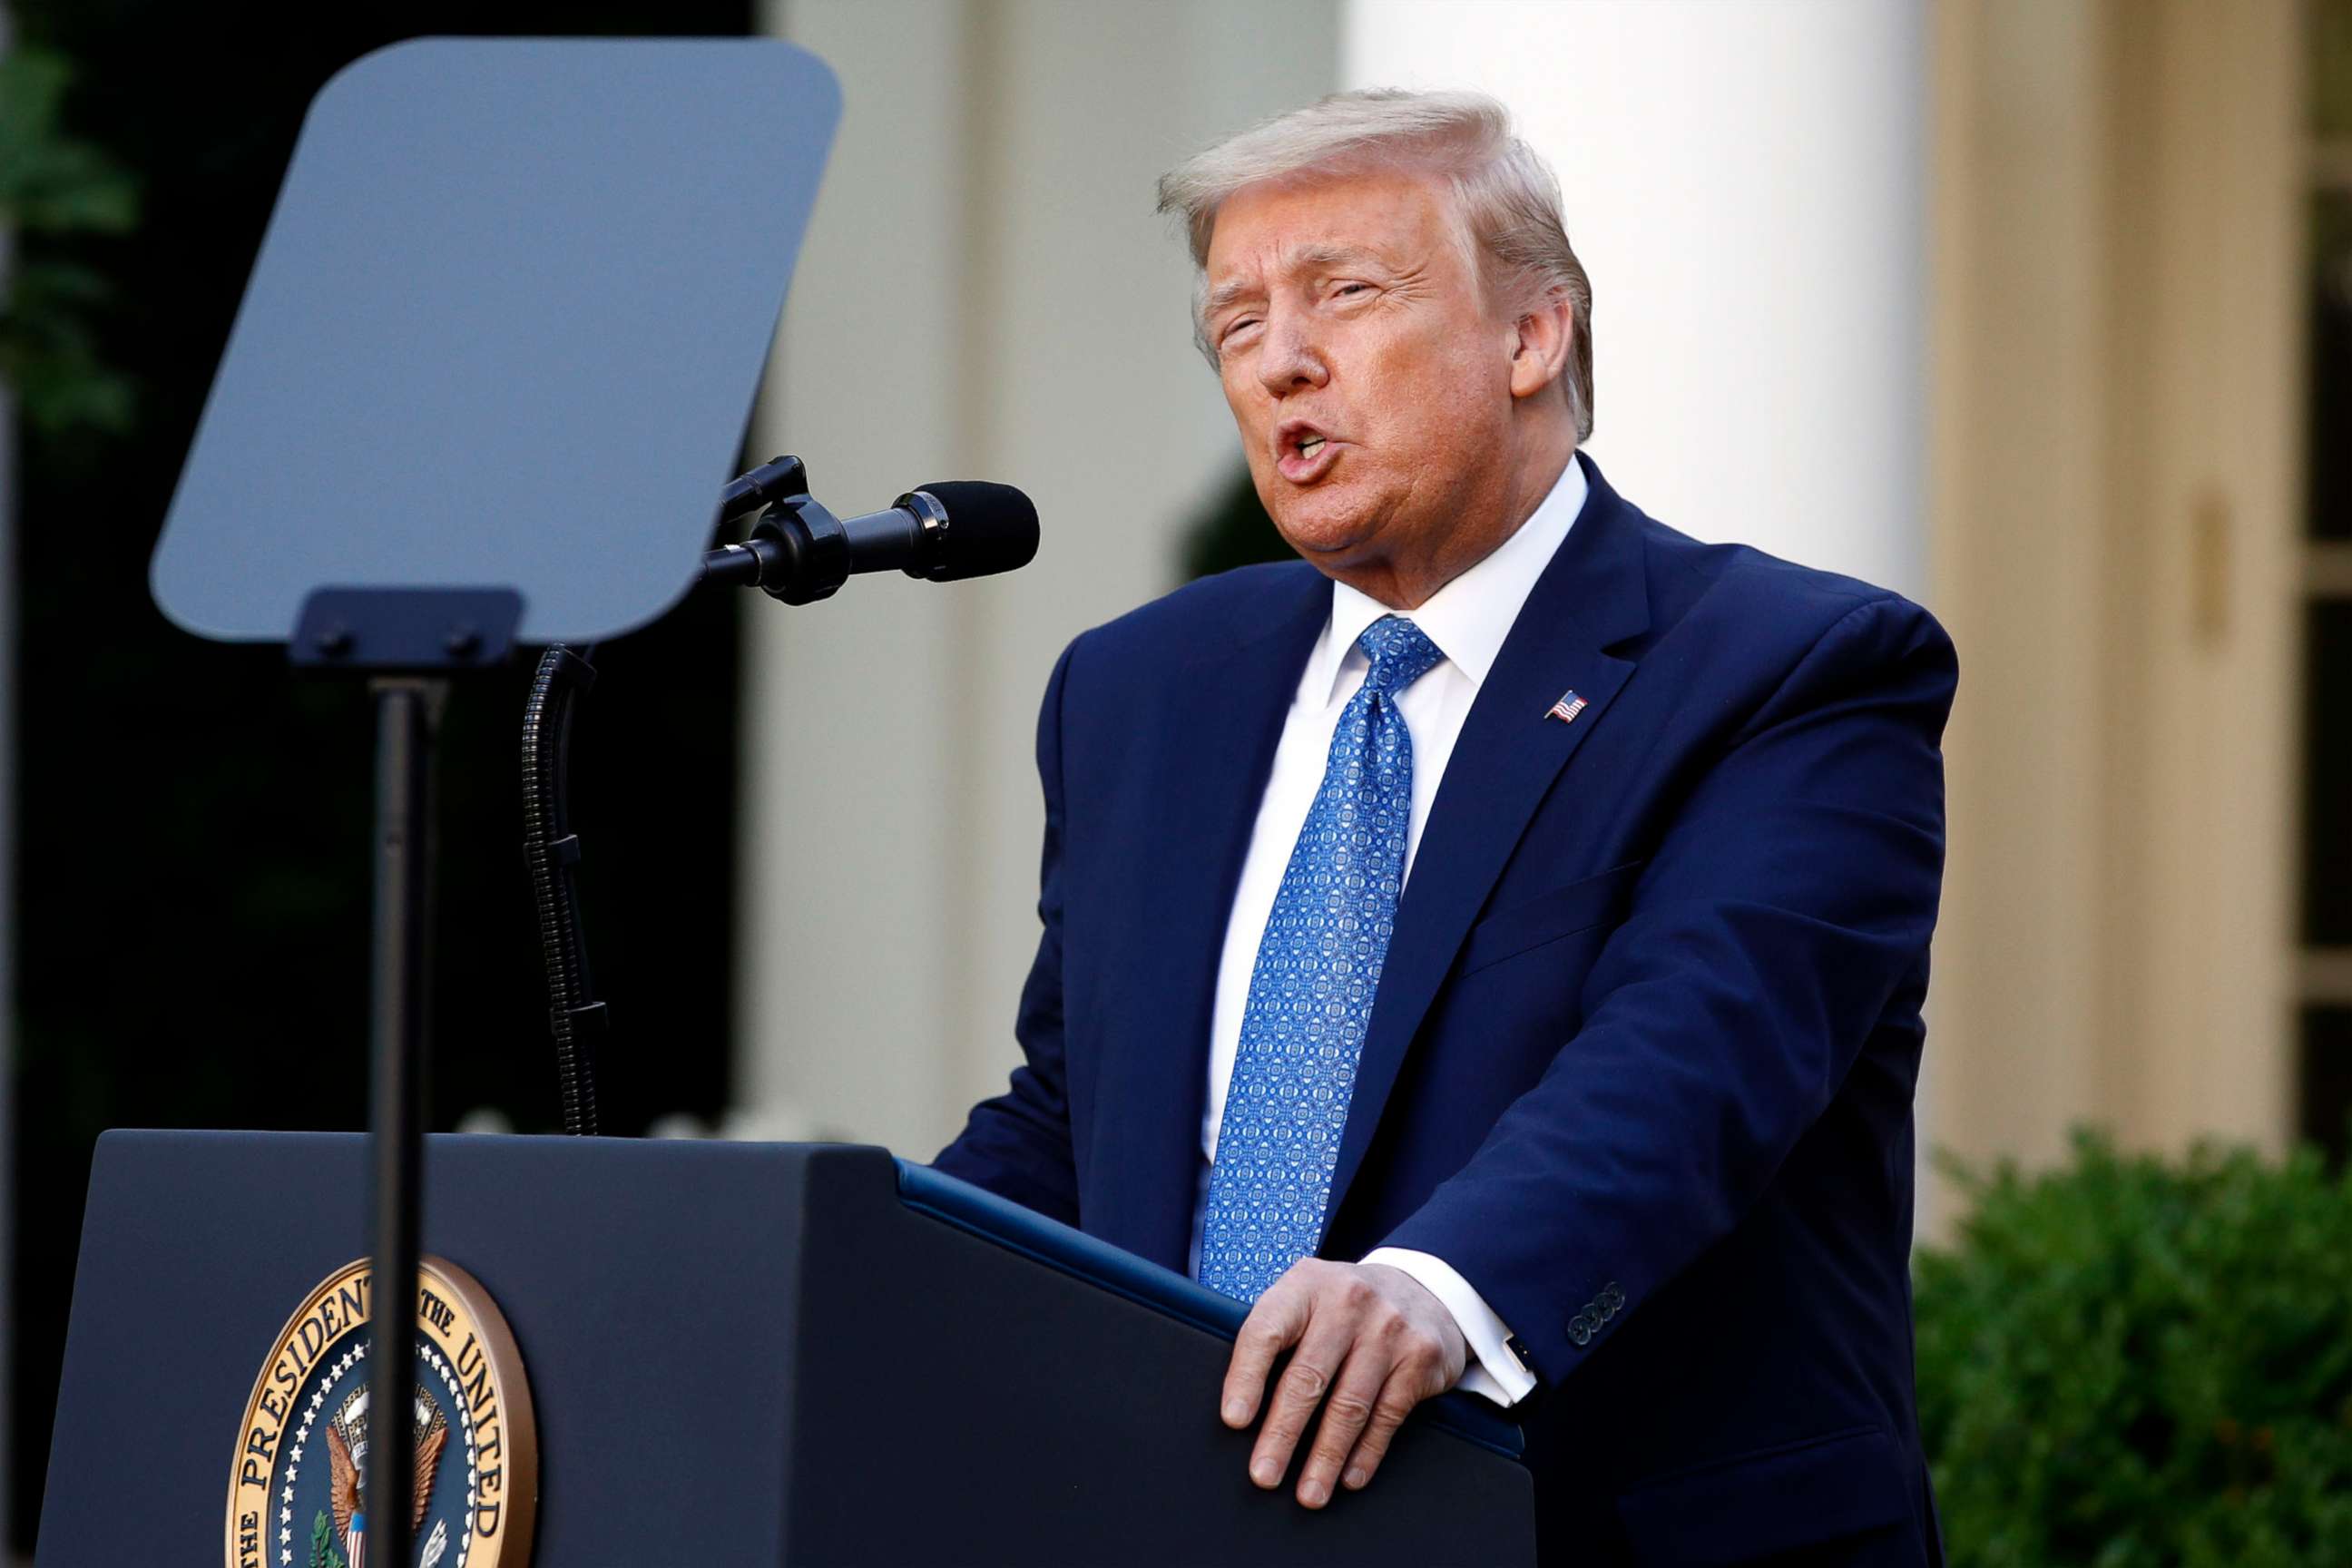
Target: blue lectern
[737,1353]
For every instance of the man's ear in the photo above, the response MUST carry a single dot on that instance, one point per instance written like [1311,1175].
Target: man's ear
[1539,356]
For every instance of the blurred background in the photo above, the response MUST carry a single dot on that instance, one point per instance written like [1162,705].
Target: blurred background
[2038,311]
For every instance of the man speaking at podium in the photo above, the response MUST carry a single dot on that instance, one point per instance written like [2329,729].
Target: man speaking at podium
[1493,945]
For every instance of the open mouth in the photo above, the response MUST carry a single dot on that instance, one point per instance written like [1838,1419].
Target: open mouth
[1304,452]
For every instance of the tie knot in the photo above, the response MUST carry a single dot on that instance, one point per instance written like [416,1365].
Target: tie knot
[1401,653]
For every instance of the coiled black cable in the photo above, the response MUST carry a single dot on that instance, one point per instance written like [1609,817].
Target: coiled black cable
[553,852]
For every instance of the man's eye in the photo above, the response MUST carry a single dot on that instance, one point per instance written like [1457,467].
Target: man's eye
[1235,329]
[1344,290]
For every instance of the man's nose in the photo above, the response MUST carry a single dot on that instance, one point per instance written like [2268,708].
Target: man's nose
[1290,359]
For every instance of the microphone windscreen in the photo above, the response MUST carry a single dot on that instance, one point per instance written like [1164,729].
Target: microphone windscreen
[991,528]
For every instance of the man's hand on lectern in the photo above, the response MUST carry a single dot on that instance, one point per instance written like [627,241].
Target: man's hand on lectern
[1372,1344]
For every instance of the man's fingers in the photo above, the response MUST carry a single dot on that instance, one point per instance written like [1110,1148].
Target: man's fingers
[1396,1401]
[1273,1326]
[1296,1393]
[1346,1414]
[1365,1348]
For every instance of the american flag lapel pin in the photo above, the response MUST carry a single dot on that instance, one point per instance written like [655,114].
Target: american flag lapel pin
[1566,709]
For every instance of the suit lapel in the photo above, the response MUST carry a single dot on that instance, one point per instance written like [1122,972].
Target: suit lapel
[1221,722]
[1592,596]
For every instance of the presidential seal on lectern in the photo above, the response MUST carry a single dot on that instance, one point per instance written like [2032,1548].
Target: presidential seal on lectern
[295,1491]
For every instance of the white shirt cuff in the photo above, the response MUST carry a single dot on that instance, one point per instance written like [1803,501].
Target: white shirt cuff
[1494,1372]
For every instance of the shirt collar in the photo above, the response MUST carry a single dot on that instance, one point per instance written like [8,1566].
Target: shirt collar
[1469,617]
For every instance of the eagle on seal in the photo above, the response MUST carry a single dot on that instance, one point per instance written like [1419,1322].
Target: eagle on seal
[347,1453]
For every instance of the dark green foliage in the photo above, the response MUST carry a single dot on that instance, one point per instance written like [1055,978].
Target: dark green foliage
[2133,1362]
[53,184]
[1232,531]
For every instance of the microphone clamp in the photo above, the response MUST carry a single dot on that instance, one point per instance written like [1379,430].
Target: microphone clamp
[803,550]
[798,552]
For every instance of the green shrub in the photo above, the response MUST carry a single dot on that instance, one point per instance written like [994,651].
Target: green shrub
[2132,1362]
[1231,529]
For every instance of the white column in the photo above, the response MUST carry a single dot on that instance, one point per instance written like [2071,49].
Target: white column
[849,708]
[985,293]
[1744,182]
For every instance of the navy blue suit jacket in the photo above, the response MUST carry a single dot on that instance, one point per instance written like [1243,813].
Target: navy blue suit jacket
[1642,1058]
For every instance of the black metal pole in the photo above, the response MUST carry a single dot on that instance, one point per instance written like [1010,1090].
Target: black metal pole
[405,712]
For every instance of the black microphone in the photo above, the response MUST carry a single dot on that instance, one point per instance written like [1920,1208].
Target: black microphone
[944,532]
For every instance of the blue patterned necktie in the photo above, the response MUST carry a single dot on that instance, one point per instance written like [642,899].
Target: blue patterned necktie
[1311,996]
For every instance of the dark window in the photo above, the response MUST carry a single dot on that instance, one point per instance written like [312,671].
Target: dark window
[2327,1078]
[2327,775]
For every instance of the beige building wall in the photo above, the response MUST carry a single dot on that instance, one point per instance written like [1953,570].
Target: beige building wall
[985,293]
[2115,529]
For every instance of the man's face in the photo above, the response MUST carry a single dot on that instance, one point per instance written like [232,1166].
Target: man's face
[1368,376]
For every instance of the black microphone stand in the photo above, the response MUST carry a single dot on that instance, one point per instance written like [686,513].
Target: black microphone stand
[552,851]
[798,552]
[581,1024]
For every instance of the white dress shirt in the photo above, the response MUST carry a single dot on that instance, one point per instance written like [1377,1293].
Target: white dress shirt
[1467,619]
